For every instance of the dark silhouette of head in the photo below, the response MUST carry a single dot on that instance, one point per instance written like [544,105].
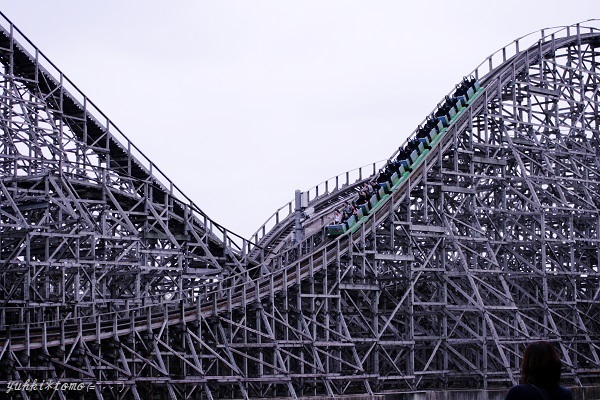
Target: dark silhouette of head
[541,365]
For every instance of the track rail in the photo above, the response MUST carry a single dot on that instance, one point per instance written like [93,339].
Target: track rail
[227,295]
[285,268]
[120,156]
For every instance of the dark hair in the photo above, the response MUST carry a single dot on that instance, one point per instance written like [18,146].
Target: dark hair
[541,365]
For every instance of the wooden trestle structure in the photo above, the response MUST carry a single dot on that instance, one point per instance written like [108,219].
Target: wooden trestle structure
[113,278]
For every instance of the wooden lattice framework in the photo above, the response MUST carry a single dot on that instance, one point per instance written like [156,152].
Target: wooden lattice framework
[110,277]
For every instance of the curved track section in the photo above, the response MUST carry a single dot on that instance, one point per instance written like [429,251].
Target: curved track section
[112,278]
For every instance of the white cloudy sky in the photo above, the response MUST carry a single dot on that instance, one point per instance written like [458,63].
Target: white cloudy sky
[242,102]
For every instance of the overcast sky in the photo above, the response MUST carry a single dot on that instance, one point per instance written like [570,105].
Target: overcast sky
[242,102]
